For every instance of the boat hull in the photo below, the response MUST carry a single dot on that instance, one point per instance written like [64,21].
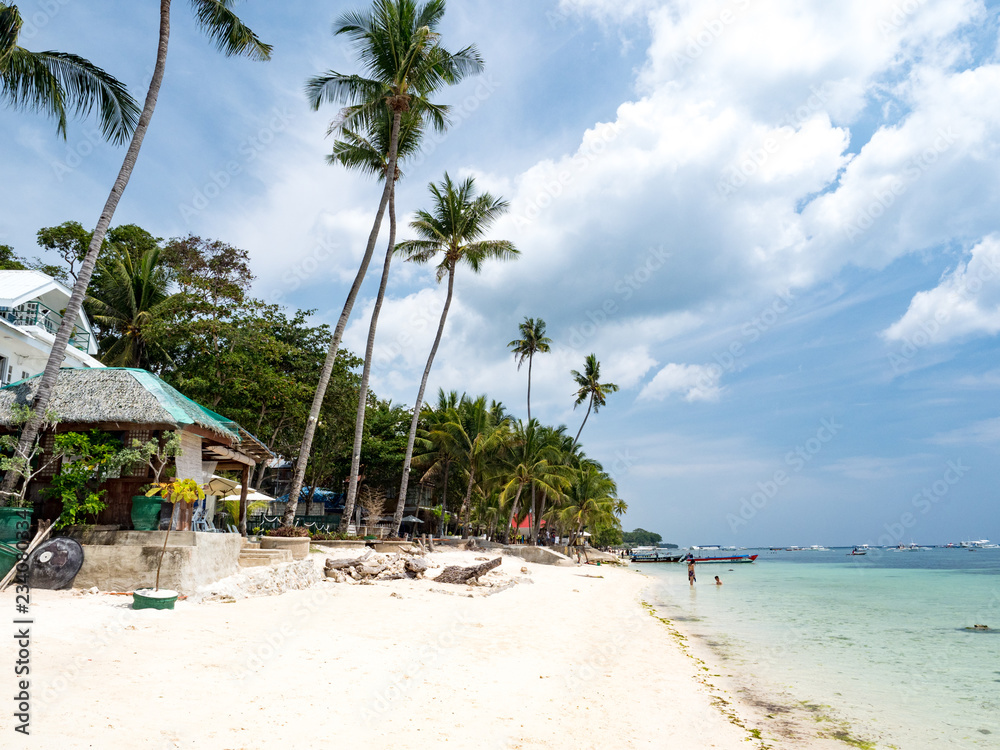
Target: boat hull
[730,559]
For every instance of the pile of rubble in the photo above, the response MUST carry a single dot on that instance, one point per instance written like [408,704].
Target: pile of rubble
[373,566]
[263,581]
[408,563]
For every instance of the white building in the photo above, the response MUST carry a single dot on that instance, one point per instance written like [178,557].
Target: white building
[30,307]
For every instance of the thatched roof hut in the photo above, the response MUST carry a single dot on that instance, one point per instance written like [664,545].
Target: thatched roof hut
[137,405]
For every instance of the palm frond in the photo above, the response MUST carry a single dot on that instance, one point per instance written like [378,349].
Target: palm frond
[230,34]
[337,87]
[51,82]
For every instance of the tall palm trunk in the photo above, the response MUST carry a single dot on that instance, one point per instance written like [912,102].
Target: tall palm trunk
[576,440]
[465,512]
[444,498]
[397,517]
[537,525]
[57,355]
[529,386]
[359,422]
[513,514]
[331,356]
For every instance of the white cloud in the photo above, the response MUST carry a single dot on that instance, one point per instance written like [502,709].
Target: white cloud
[695,382]
[985,432]
[965,303]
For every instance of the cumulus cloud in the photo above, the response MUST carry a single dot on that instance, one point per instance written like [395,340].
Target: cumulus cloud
[694,382]
[965,303]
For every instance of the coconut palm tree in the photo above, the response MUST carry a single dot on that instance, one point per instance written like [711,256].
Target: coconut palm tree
[53,82]
[370,154]
[590,500]
[134,294]
[591,389]
[480,432]
[534,462]
[533,341]
[232,37]
[452,229]
[439,446]
[398,45]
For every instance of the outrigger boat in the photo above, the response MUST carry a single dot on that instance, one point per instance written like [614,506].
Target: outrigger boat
[727,559]
[655,555]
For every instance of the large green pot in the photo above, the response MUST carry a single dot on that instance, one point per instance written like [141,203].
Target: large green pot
[150,599]
[146,512]
[10,520]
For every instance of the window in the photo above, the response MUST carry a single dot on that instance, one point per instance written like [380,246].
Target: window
[5,371]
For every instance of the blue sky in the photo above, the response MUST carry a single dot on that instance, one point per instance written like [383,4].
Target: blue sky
[775,223]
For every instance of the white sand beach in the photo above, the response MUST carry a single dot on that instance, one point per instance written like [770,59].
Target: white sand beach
[566,658]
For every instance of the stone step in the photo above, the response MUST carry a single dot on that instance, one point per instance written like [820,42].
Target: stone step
[252,558]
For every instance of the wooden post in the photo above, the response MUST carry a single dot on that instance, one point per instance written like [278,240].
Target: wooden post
[244,489]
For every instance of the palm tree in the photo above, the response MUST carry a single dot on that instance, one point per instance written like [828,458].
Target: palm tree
[532,342]
[459,220]
[439,445]
[232,37]
[533,463]
[134,295]
[370,154]
[591,388]
[397,44]
[590,500]
[480,433]
[51,82]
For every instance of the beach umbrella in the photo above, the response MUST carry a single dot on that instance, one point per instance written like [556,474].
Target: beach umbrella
[411,519]
[220,486]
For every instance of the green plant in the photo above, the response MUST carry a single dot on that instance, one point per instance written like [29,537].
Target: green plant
[90,458]
[231,508]
[25,468]
[156,454]
[177,491]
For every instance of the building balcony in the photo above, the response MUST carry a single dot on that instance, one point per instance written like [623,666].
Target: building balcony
[39,315]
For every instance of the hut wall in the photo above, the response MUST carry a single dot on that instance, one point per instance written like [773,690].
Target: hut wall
[119,499]
[189,459]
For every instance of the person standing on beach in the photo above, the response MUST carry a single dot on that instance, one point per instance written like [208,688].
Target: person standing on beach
[691,578]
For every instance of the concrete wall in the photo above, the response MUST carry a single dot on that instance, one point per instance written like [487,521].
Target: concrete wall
[126,560]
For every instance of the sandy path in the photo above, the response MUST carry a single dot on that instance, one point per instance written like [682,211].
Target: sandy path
[567,661]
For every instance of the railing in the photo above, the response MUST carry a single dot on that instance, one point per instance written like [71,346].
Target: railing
[35,313]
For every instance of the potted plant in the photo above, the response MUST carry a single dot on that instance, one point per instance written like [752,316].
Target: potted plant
[15,509]
[156,454]
[89,459]
[186,492]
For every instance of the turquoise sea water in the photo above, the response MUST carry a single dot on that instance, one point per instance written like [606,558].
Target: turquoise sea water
[881,639]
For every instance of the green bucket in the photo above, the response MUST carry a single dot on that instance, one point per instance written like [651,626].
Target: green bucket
[148,601]
[146,512]
[10,519]
[9,555]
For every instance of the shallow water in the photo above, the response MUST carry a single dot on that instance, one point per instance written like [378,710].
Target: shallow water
[881,639]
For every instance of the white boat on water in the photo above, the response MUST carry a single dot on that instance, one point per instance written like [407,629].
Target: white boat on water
[979,544]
